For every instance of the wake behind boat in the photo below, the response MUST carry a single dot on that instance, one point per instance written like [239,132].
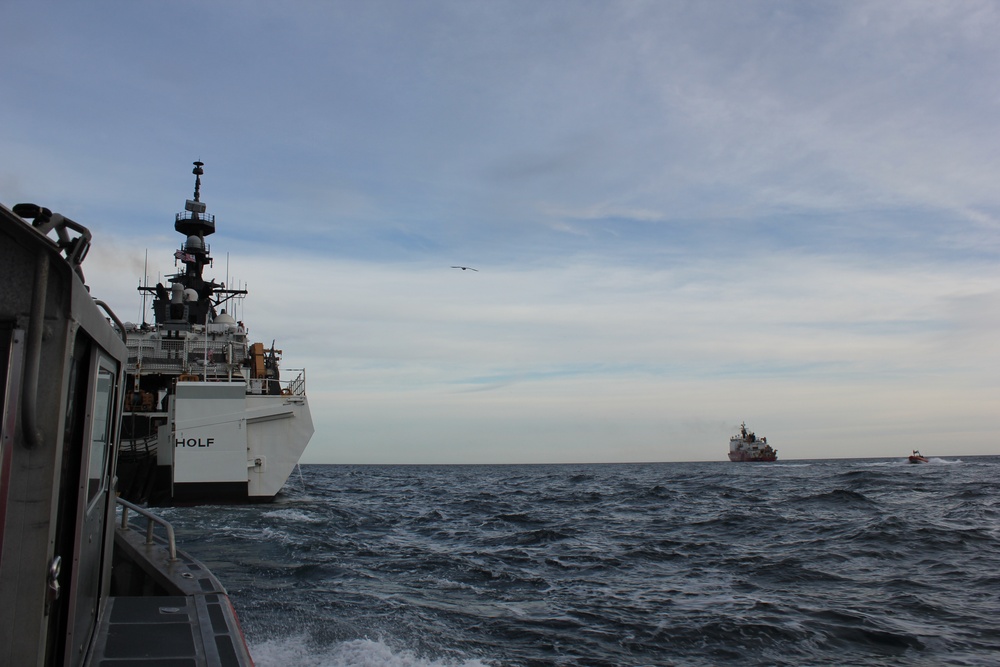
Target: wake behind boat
[207,416]
[745,446]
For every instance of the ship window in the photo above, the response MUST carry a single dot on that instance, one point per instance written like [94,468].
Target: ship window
[100,432]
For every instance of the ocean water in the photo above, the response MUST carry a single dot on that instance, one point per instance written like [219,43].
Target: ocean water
[833,562]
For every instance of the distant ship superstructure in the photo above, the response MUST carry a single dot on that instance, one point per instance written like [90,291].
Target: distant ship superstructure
[745,446]
[207,417]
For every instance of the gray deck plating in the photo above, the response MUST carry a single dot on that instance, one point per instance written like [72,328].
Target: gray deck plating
[191,625]
[168,631]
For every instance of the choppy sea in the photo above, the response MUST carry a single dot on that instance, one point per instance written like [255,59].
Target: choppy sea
[832,562]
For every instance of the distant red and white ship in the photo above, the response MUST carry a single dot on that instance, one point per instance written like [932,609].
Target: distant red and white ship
[916,457]
[747,447]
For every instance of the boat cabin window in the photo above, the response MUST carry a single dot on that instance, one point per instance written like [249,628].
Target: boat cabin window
[101,430]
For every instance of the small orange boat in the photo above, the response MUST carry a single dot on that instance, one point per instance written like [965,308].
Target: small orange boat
[916,457]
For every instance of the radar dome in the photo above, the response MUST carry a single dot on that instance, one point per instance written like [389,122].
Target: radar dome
[227,320]
[190,295]
[194,243]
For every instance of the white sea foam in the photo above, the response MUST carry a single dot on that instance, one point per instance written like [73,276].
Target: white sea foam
[292,515]
[931,460]
[300,651]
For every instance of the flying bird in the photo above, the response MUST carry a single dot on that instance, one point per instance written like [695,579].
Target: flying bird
[465,268]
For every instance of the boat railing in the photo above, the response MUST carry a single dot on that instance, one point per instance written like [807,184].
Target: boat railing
[151,521]
[200,245]
[184,216]
[194,354]
[147,445]
[272,387]
[297,387]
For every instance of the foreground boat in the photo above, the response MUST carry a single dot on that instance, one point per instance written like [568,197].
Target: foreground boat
[207,416]
[916,457]
[747,447]
[79,587]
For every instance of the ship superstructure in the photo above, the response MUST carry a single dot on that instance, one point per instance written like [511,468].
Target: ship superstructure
[745,446]
[207,416]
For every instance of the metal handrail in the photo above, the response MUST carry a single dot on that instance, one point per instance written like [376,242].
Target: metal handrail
[151,520]
[186,354]
[298,385]
[111,314]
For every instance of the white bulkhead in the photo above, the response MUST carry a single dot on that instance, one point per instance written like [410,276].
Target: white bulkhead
[209,434]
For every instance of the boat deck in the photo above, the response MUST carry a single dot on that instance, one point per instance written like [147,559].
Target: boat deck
[169,631]
[166,608]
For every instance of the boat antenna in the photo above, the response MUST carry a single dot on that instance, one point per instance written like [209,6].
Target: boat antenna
[145,280]
[197,171]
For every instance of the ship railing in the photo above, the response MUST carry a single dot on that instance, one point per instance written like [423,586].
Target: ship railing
[189,215]
[272,387]
[193,354]
[151,522]
[154,364]
[201,245]
[297,386]
[147,445]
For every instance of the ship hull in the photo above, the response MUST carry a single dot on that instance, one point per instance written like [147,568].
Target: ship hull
[218,444]
[214,493]
[742,457]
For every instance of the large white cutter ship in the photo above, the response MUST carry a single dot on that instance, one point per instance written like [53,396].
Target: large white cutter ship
[207,416]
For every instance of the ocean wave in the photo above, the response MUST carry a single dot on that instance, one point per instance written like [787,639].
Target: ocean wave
[837,497]
[842,562]
[301,651]
[293,515]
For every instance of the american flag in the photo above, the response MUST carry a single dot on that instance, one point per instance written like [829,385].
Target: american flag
[183,256]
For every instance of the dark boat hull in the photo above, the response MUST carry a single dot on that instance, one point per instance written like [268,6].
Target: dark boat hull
[740,457]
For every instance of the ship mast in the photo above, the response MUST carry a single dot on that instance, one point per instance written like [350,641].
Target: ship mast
[191,299]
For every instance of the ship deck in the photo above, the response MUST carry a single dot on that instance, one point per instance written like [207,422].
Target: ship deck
[168,631]
[166,609]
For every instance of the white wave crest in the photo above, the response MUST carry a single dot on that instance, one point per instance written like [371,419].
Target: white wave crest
[292,515]
[300,651]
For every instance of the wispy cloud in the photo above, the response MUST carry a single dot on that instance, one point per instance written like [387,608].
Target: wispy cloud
[685,214]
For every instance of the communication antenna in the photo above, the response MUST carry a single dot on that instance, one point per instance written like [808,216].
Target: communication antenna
[145,281]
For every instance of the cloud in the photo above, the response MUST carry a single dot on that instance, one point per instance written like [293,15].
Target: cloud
[685,214]
[605,348]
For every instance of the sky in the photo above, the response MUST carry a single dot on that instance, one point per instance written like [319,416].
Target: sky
[684,215]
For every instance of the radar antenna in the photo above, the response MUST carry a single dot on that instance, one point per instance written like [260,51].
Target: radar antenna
[197,171]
